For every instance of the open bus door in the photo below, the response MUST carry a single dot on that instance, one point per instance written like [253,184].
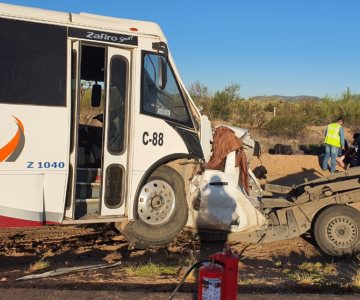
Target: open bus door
[98,154]
[75,50]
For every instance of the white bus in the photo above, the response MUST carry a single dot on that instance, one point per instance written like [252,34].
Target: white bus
[97,126]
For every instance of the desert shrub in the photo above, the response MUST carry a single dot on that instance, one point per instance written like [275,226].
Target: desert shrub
[205,105]
[280,117]
[220,108]
[286,126]
[202,97]
[198,90]
[250,112]
[222,102]
[351,111]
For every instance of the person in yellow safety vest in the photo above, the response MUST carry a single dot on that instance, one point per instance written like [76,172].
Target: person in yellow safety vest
[334,142]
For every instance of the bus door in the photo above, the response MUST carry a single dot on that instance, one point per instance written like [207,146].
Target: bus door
[98,151]
[75,90]
[115,148]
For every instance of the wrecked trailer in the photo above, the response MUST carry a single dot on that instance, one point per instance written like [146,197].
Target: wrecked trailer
[328,207]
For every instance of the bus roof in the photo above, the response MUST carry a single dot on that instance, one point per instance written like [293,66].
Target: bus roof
[82,20]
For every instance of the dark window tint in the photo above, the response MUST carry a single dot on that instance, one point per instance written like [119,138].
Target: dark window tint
[113,186]
[92,82]
[117,96]
[161,95]
[73,96]
[33,63]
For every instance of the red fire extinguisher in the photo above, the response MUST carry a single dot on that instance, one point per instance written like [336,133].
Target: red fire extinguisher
[210,281]
[230,278]
[218,277]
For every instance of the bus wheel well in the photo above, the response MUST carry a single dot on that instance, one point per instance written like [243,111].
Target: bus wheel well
[162,210]
[184,165]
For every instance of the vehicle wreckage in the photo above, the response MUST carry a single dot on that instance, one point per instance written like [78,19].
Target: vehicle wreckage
[104,130]
[327,207]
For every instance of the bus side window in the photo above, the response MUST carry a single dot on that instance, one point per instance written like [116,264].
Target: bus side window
[33,63]
[117,97]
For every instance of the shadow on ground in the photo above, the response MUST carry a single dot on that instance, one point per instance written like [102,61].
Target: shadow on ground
[298,178]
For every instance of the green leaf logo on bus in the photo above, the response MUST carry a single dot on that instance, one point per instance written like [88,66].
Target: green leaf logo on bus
[12,150]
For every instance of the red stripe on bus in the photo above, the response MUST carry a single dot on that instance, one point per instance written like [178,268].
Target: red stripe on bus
[14,222]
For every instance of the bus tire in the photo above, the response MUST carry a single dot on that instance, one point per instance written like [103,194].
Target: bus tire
[162,210]
[337,230]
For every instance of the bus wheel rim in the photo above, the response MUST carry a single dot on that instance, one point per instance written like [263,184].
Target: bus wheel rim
[156,202]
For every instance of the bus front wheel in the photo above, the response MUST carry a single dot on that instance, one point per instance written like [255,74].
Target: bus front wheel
[161,208]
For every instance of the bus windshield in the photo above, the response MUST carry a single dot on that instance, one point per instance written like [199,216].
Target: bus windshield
[163,101]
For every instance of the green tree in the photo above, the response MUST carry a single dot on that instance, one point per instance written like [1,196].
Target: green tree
[221,103]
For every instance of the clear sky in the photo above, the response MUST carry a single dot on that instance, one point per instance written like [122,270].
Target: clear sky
[285,47]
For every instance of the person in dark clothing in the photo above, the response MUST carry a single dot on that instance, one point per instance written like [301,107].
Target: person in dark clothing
[351,157]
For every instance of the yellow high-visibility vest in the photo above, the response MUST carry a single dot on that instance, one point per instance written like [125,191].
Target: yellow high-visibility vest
[333,135]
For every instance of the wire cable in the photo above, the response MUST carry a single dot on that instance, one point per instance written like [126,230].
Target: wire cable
[196,265]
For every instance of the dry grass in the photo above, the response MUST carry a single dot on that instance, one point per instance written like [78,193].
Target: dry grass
[318,267]
[278,263]
[355,282]
[303,277]
[151,270]
[353,275]
[39,265]
[313,273]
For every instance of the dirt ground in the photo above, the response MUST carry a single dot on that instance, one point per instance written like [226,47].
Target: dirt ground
[290,169]
[281,267]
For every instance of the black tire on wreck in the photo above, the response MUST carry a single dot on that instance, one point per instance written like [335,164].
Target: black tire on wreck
[162,210]
[337,230]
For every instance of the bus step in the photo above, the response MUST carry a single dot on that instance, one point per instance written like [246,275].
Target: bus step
[87,174]
[85,190]
[87,207]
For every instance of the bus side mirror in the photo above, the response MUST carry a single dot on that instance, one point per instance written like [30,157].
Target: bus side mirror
[162,72]
[96,95]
